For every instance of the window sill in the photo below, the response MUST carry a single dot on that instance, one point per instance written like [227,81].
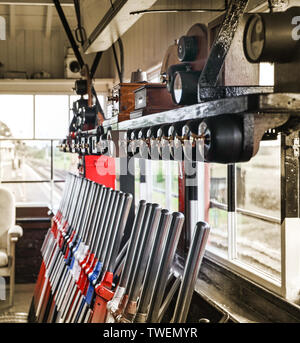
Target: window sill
[247,271]
[244,300]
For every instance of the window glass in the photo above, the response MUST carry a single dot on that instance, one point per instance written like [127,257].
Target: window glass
[63,163]
[218,183]
[258,192]
[30,166]
[16,116]
[217,216]
[174,186]
[174,203]
[218,234]
[266,74]
[258,181]
[51,116]
[31,161]
[73,98]
[153,74]
[23,160]
[159,183]
[56,193]
[258,244]
[31,193]
[156,184]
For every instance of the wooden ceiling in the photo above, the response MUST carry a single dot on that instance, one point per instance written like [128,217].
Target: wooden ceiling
[35,15]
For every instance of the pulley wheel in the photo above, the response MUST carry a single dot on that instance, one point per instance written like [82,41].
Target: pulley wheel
[223,139]
[81,87]
[187,48]
[185,87]
[90,115]
[171,73]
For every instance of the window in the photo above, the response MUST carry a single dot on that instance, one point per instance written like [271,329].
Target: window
[16,116]
[51,116]
[31,165]
[247,232]
[258,209]
[217,216]
[157,182]
[153,74]
[266,74]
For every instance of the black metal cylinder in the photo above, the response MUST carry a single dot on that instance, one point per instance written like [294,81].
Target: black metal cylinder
[223,139]
[187,48]
[185,87]
[271,37]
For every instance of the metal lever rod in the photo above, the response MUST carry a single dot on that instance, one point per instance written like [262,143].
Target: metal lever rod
[142,261]
[165,266]
[191,272]
[134,243]
[152,267]
[119,224]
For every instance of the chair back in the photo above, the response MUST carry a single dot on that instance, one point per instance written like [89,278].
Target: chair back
[7,214]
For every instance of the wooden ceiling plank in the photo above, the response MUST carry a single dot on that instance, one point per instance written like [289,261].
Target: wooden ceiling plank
[49,18]
[12,21]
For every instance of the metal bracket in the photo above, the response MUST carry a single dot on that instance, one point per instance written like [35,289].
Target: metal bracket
[222,43]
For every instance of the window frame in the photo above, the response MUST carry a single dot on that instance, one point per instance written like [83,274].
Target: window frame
[52,181]
[231,261]
[146,186]
[36,87]
[284,286]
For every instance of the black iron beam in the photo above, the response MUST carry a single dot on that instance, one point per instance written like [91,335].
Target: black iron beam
[68,31]
[222,43]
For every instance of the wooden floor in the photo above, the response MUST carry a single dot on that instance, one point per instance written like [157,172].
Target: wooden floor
[22,301]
